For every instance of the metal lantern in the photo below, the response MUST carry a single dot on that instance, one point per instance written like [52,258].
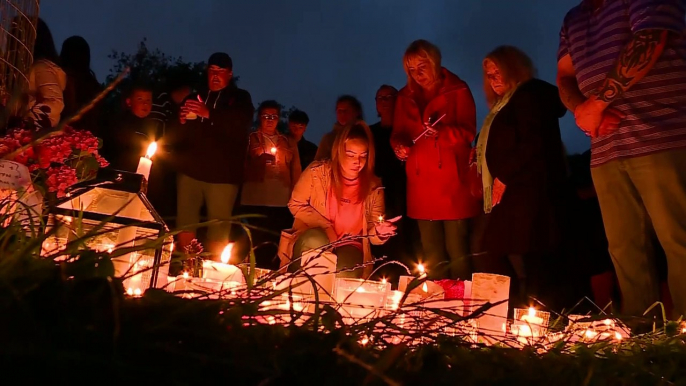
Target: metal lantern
[113,212]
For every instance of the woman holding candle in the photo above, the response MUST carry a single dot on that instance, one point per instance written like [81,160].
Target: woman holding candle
[433,127]
[521,161]
[336,198]
[272,169]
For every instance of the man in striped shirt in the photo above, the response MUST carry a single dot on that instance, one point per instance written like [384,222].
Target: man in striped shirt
[622,72]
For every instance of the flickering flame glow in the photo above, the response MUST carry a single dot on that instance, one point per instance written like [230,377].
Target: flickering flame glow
[360,289]
[381,218]
[226,254]
[134,292]
[532,311]
[425,288]
[151,150]
[273,150]
[420,268]
[185,275]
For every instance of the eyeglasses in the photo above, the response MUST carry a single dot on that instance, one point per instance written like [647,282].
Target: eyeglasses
[385,98]
[270,117]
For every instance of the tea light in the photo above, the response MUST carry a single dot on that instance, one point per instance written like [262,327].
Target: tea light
[529,323]
[223,271]
[532,318]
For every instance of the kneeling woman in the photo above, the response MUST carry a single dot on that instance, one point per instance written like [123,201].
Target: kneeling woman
[337,198]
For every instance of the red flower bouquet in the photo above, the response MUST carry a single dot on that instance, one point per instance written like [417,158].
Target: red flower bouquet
[57,161]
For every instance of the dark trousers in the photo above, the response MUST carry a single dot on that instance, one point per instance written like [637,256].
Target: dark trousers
[446,241]
[265,232]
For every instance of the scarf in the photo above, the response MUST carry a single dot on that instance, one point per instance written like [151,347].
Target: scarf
[482,167]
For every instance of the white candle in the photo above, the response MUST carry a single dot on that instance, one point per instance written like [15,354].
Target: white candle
[145,163]
[223,271]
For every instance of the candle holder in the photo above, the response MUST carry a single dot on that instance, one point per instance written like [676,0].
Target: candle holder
[113,208]
[529,324]
[361,292]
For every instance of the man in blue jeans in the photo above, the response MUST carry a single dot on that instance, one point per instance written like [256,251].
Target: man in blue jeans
[622,72]
[210,150]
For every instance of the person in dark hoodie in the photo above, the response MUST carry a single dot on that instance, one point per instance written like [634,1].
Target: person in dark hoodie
[210,149]
[128,138]
[522,166]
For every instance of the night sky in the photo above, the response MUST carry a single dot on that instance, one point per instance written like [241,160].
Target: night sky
[305,53]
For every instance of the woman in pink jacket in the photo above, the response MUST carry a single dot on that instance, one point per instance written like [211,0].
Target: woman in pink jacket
[433,128]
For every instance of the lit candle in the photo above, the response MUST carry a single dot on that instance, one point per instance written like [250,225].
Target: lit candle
[223,271]
[145,163]
[381,219]
[531,317]
[422,270]
[273,150]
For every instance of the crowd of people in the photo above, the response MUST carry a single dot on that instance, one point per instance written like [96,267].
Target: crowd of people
[423,184]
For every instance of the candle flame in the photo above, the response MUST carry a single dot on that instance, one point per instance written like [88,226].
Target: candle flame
[185,275]
[383,280]
[273,150]
[532,311]
[226,254]
[618,336]
[425,288]
[151,150]
[420,268]
[381,219]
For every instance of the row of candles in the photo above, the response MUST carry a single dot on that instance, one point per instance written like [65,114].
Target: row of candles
[529,324]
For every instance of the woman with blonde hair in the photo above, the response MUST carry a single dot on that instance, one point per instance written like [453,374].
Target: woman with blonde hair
[522,166]
[337,198]
[433,127]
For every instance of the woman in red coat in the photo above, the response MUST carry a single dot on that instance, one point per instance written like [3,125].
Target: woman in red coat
[433,128]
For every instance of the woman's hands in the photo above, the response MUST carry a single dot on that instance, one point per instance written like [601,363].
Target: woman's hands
[402,152]
[386,228]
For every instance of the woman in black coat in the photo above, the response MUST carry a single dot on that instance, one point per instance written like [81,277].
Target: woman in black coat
[521,161]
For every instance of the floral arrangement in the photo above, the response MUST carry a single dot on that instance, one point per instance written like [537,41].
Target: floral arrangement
[56,162]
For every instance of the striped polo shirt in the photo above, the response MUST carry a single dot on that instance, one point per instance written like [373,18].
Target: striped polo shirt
[656,105]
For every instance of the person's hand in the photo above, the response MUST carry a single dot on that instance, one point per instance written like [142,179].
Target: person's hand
[197,107]
[610,122]
[182,114]
[589,115]
[431,132]
[402,152]
[385,229]
[497,192]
